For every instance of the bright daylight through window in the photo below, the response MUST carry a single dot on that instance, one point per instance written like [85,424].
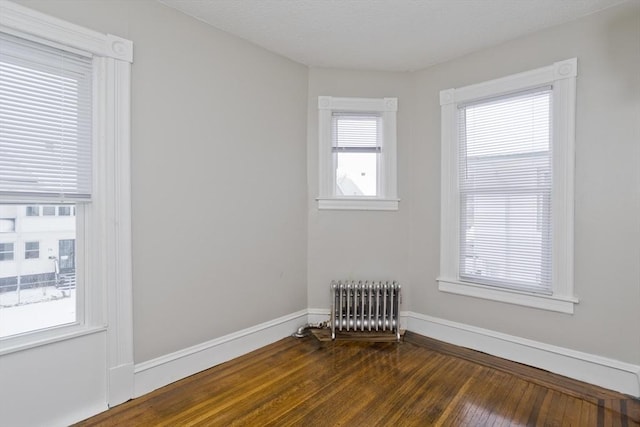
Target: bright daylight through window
[357,163]
[505,191]
[45,178]
[507,188]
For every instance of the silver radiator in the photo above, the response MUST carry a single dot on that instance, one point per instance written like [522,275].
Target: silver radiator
[365,306]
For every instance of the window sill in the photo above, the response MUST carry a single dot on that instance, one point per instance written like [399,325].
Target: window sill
[358,204]
[49,336]
[560,304]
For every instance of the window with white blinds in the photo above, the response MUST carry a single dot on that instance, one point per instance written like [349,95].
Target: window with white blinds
[357,153]
[45,121]
[507,188]
[505,181]
[357,143]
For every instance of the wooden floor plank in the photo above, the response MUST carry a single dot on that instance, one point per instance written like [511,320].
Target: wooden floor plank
[417,382]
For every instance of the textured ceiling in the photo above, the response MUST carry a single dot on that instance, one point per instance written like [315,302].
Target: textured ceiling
[382,34]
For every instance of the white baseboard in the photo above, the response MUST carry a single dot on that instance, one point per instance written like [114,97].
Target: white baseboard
[590,368]
[120,384]
[156,373]
[318,315]
[593,369]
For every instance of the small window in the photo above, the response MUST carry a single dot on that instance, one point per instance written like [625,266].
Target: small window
[48,210]
[32,250]
[357,153]
[6,251]
[33,210]
[356,145]
[64,210]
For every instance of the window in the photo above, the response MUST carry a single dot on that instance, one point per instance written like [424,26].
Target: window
[81,161]
[49,210]
[45,138]
[6,251]
[507,188]
[357,153]
[64,210]
[32,250]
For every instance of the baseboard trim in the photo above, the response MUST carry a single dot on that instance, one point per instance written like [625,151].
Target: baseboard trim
[164,370]
[604,372]
[318,315]
[121,380]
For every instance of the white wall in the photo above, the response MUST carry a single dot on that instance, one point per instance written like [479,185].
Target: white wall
[357,244]
[218,175]
[607,209]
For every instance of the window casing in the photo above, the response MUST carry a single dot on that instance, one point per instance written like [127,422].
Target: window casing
[99,199]
[105,222]
[507,188]
[357,153]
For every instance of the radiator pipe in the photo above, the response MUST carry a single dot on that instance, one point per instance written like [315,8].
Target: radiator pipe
[303,330]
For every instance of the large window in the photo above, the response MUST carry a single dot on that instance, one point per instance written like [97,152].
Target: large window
[357,153]
[64,183]
[507,188]
[45,141]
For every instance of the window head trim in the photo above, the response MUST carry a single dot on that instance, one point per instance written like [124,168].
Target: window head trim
[386,197]
[562,77]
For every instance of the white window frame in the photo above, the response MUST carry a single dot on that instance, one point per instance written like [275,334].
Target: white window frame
[562,77]
[387,198]
[105,223]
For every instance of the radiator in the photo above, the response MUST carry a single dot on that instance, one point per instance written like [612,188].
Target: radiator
[365,306]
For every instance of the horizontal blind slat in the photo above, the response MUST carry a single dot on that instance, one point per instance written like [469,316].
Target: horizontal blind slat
[505,191]
[45,121]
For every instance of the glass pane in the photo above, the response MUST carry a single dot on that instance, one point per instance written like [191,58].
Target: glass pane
[37,285]
[49,210]
[356,174]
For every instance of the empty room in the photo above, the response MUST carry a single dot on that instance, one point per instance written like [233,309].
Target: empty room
[319,212]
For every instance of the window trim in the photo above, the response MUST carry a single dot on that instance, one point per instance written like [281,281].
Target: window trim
[110,268]
[562,76]
[388,197]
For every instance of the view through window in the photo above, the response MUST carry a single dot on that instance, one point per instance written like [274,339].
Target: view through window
[38,280]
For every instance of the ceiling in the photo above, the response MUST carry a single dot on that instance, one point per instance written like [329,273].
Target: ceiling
[394,35]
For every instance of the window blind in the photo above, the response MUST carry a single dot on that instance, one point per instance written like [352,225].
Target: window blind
[356,132]
[45,121]
[505,187]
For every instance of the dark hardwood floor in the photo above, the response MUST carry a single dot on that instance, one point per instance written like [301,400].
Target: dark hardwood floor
[418,382]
